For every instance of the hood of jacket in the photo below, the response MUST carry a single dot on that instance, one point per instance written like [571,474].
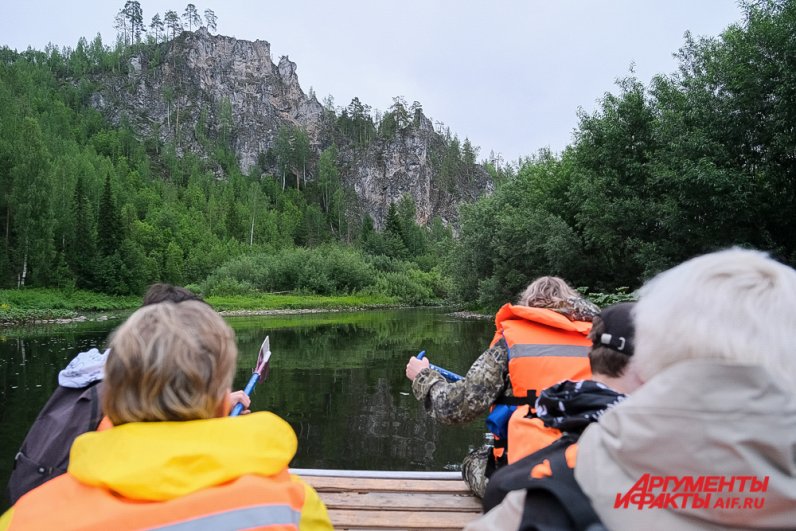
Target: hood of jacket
[704,418]
[84,369]
[159,461]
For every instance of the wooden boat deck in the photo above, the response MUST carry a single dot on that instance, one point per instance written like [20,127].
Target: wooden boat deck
[361,499]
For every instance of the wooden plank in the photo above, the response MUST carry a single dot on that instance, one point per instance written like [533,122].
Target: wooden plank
[391,501]
[346,519]
[384,474]
[334,484]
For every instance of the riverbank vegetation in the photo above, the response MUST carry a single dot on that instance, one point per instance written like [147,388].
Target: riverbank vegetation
[87,205]
[38,304]
[43,303]
[692,161]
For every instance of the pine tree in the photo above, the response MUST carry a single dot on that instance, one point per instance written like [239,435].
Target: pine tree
[173,22]
[191,17]
[135,19]
[82,251]
[211,20]
[156,26]
[109,230]
[392,223]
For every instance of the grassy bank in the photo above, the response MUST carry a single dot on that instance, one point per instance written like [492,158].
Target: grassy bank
[19,305]
[25,305]
[229,303]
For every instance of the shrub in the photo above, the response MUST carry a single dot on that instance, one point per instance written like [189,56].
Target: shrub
[327,270]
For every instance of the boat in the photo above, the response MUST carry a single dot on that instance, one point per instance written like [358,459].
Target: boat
[378,499]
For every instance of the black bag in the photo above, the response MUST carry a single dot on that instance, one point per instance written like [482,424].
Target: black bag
[45,451]
[553,502]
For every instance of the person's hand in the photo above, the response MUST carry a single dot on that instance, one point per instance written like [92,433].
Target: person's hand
[415,366]
[239,396]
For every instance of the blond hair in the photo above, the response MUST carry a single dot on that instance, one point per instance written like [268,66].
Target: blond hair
[545,292]
[734,305]
[169,362]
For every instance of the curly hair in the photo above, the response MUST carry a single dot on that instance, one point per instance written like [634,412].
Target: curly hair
[547,292]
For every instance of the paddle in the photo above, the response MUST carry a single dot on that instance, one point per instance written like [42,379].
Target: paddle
[259,372]
[448,375]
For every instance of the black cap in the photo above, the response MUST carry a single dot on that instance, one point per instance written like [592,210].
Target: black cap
[619,328]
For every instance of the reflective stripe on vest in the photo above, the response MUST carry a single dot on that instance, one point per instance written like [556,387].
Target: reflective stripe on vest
[251,501]
[544,349]
[246,518]
[535,351]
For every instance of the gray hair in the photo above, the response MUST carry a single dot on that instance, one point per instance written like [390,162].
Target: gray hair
[735,305]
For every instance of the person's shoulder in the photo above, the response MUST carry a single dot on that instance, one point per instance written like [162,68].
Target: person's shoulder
[314,515]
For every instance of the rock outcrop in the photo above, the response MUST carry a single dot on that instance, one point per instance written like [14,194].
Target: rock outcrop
[405,164]
[200,88]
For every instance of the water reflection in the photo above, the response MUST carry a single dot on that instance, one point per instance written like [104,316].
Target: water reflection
[337,378]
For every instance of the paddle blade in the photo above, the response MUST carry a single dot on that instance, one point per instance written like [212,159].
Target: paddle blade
[263,359]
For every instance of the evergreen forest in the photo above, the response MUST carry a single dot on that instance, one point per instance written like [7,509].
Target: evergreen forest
[693,161]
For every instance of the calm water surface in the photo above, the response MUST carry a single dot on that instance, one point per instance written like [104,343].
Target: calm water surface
[337,378]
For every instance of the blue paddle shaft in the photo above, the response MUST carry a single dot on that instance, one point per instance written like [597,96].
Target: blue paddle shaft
[248,390]
[448,375]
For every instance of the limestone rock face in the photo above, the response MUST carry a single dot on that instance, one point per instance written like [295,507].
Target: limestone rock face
[404,165]
[200,88]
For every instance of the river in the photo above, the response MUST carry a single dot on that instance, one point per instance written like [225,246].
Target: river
[337,378]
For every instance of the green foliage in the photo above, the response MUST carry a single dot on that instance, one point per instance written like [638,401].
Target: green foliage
[606,299]
[356,124]
[292,153]
[86,204]
[327,270]
[264,301]
[693,162]
[412,286]
[109,230]
[73,300]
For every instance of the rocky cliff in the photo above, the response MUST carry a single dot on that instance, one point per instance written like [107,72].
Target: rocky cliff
[200,88]
[408,164]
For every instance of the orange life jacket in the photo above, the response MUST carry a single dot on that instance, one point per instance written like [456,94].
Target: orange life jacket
[249,502]
[544,348]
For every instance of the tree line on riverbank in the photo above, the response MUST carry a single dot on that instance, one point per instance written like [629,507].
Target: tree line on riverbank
[693,161]
[88,205]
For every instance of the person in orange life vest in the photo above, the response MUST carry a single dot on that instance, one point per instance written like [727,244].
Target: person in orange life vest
[540,491]
[74,408]
[539,341]
[173,458]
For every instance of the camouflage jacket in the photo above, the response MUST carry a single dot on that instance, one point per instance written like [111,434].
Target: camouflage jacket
[463,401]
[488,377]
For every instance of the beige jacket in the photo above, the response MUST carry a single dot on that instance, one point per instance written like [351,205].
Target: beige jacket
[693,428]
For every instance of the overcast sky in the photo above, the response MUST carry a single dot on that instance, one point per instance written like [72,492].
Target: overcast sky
[508,74]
